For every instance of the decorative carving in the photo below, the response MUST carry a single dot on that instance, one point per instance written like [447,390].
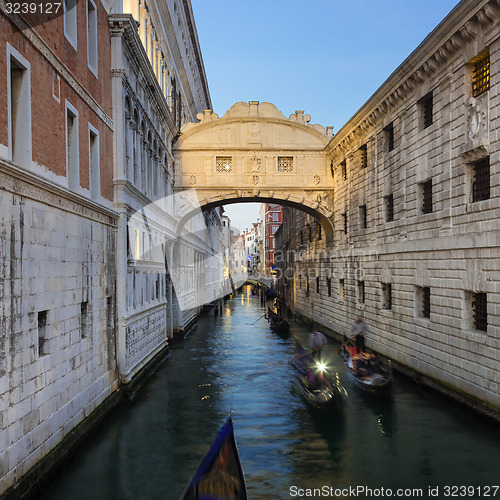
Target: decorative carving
[477,118]
[255,163]
[255,179]
[317,179]
[253,134]
[192,180]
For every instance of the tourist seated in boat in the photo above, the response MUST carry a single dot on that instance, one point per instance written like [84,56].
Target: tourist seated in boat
[317,340]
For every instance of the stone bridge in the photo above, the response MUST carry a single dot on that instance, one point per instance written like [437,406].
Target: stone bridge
[254,153]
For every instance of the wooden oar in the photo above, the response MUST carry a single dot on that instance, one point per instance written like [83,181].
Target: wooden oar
[258,319]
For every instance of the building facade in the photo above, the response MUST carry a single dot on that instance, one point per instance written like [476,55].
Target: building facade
[58,279]
[416,184]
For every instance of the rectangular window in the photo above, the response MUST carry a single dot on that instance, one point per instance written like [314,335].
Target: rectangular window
[317,284]
[307,286]
[92,36]
[386,296]
[423,302]
[84,319]
[285,163]
[110,315]
[19,107]
[94,168]
[318,230]
[363,156]
[480,312]
[275,228]
[224,163]
[344,222]
[275,217]
[70,25]
[137,244]
[72,150]
[343,168]
[481,179]
[42,333]
[426,193]
[389,208]
[362,217]
[426,107]
[342,289]
[481,75]
[300,281]
[389,136]
[329,286]
[361,292]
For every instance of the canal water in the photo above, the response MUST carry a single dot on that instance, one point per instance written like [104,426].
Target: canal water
[235,363]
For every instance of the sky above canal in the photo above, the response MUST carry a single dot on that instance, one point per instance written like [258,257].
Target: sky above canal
[326,57]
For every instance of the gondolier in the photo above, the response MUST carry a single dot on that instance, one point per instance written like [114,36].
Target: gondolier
[359,329]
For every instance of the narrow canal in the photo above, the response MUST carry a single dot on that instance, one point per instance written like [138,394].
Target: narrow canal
[233,362]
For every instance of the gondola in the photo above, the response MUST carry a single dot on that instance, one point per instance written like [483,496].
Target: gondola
[219,476]
[367,371]
[320,388]
[278,323]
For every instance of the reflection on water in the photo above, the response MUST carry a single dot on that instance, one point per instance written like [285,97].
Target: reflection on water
[234,362]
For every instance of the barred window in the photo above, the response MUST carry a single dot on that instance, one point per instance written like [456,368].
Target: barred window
[479,311]
[389,136]
[317,284]
[343,167]
[363,156]
[386,296]
[342,289]
[361,292]
[285,163]
[389,208]
[426,188]
[329,286]
[307,286]
[423,302]
[318,230]
[481,180]
[426,108]
[481,76]
[224,164]
[362,217]
[344,220]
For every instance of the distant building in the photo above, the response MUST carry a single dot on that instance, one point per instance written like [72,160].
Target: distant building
[273,217]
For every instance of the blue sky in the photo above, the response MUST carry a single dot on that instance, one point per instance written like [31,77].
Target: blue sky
[326,57]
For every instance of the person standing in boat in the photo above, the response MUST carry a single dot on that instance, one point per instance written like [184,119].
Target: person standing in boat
[316,340]
[359,329]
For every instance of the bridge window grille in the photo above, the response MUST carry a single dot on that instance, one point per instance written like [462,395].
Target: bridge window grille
[362,217]
[389,208]
[481,180]
[363,156]
[389,136]
[479,312]
[343,167]
[427,197]
[361,292]
[481,76]
[285,163]
[224,164]
[386,296]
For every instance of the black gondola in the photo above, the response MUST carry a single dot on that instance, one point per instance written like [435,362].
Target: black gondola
[367,371]
[219,476]
[278,323]
[318,386]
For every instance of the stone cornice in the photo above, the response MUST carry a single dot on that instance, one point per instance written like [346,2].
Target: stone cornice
[462,25]
[39,44]
[27,184]
[124,25]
